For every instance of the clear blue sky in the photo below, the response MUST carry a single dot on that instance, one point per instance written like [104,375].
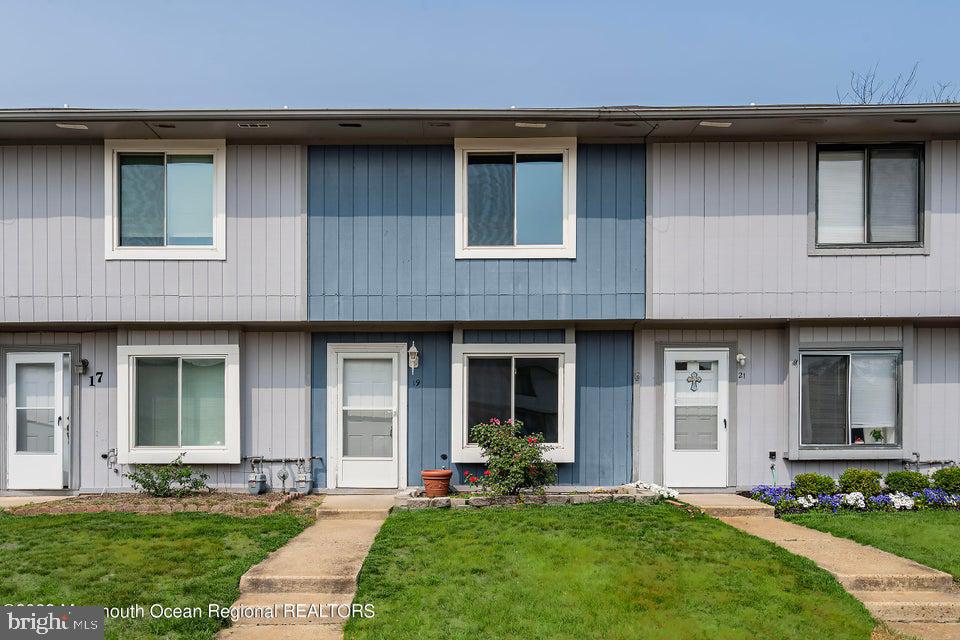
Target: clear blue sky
[240,53]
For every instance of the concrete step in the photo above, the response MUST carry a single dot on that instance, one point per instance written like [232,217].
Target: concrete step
[934,581]
[279,632]
[912,606]
[271,584]
[928,630]
[352,514]
[727,505]
[325,558]
[293,608]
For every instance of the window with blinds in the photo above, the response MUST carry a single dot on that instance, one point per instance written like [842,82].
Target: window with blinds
[850,398]
[869,195]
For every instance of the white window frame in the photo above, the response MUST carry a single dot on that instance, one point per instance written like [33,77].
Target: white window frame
[567,147]
[461,451]
[113,250]
[127,452]
[850,353]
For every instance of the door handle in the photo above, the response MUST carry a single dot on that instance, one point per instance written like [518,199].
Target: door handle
[724,424]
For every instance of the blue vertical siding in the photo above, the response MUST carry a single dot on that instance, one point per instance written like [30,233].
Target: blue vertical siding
[604,406]
[381,242]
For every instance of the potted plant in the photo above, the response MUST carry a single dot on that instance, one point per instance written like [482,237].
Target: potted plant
[436,482]
[877,435]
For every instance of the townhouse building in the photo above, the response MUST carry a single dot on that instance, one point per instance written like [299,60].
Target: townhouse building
[701,297]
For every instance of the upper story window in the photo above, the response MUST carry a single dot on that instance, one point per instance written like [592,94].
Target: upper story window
[850,398]
[516,198]
[165,199]
[869,195]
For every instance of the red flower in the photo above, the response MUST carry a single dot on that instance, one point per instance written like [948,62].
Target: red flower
[466,474]
[473,479]
[487,472]
[531,439]
[495,421]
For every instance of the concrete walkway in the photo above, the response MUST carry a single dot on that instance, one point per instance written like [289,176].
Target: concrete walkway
[9,502]
[304,589]
[911,597]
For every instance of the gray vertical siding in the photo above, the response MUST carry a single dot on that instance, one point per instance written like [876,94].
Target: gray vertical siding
[274,398]
[604,369]
[381,237]
[727,228]
[52,239]
[762,397]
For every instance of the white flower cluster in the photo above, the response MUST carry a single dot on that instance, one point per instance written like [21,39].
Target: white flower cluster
[901,501]
[855,499]
[663,492]
[807,501]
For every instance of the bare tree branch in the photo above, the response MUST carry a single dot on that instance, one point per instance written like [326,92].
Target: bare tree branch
[866,87]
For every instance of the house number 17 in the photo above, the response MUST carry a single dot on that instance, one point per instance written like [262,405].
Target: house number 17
[99,376]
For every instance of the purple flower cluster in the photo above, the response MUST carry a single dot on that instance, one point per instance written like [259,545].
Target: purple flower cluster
[771,494]
[830,501]
[936,498]
[882,501]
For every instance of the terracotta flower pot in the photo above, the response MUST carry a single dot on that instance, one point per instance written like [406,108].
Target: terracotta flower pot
[436,482]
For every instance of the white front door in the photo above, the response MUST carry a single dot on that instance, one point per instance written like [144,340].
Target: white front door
[368,390]
[38,420]
[695,401]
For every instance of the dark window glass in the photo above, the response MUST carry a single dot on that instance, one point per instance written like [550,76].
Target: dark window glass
[823,393]
[488,390]
[539,199]
[140,194]
[894,195]
[490,200]
[536,396]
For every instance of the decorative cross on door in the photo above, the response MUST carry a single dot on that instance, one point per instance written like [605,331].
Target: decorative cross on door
[694,379]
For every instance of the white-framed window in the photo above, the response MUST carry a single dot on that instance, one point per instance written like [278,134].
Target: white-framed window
[165,199]
[869,195]
[850,398]
[515,197]
[533,383]
[174,399]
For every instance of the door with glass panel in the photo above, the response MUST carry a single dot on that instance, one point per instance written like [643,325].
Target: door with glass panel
[368,415]
[695,404]
[38,420]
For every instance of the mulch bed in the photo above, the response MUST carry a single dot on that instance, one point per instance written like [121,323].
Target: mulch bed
[236,504]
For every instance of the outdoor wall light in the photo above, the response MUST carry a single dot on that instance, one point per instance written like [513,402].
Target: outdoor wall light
[413,357]
[741,359]
[80,368]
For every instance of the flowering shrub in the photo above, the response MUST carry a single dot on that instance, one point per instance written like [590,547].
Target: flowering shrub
[813,484]
[514,461]
[854,499]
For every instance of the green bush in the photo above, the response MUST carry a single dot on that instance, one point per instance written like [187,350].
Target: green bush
[906,482]
[813,484]
[947,479]
[174,480]
[866,481]
[514,461]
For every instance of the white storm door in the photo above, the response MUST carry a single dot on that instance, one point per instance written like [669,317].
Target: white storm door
[37,419]
[695,405]
[368,420]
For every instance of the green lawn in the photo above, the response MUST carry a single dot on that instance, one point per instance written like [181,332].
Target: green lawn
[117,559]
[606,571]
[929,537]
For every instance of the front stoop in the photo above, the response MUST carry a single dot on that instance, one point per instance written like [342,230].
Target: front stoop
[918,600]
[318,567]
[727,505]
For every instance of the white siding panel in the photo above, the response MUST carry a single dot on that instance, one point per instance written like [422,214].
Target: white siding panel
[727,225]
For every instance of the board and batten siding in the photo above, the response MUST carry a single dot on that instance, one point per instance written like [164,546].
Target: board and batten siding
[761,398]
[274,399]
[52,239]
[604,416]
[727,229]
[381,242]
